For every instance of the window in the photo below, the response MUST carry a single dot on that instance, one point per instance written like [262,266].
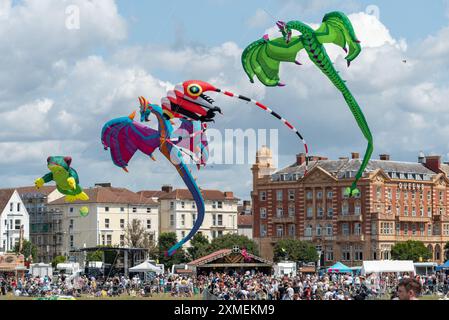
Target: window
[445,229]
[183,234]
[406,211]
[329,253]
[279,212]
[183,219]
[421,212]
[308,231]
[358,229]
[330,194]
[214,234]
[109,240]
[17,224]
[193,219]
[148,210]
[134,210]
[357,209]
[263,213]
[429,229]
[11,207]
[279,195]
[122,240]
[172,205]
[220,205]
[345,229]
[398,194]
[389,193]
[72,241]
[18,207]
[291,211]
[330,212]
[345,208]
[379,193]
[106,223]
[71,210]
[346,253]
[149,224]
[358,253]
[183,205]
[414,229]
[429,196]
[279,231]
[309,195]
[320,212]
[319,195]
[263,196]
[291,230]
[71,225]
[172,220]
[122,209]
[309,212]
[329,230]
[122,223]
[291,194]
[318,230]
[193,205]
[106,209]
[398,228]
[263,230]
[406,229]
[220,219]
[440,196]
[413,211]
[429,212]
[421,229]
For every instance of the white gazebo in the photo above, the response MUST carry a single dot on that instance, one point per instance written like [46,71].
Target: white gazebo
[146,267]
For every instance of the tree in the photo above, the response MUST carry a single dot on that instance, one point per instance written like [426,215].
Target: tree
[446,250]
[166,241]
[295,250]
[27,250]
[230,240]
[94,256]
[136,236]
[200,247]
[57,260]
[410,250]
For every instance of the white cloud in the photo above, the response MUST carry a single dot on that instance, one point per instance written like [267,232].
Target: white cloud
[259,19]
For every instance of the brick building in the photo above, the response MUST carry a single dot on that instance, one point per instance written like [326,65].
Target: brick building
[399,201]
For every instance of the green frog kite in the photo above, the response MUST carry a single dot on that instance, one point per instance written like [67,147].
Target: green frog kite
[66,178]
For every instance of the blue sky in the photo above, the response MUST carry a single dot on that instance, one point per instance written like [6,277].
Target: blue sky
[60,86]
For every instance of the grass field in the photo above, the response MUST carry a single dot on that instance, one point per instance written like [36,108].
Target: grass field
[123,297]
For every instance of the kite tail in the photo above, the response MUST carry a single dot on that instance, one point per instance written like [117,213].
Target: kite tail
[185,174]
[274,114]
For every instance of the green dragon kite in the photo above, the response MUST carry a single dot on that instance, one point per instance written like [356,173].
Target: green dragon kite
[66,178]
[263,57]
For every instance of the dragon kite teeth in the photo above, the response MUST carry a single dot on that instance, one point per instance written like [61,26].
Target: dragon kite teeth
[262,59]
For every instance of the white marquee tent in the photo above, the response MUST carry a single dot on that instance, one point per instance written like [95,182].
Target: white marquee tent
[146,267]
[387,266]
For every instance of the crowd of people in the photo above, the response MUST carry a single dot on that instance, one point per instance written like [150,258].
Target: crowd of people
[234,286]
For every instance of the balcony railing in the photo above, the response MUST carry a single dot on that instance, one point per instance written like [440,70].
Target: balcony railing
[284,219]
[413,219]
[382,216]
[351,238]
[350,218]
[276,238]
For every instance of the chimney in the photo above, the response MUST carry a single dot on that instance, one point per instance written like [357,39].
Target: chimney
[385,157]
[229,194]
[433,163]
[167,188]
[355,155]
[300,159]
[421,158]
[103,185]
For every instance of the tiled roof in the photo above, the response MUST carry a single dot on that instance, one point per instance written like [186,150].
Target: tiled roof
[111,195]
[184,194]
[152,193]
[5,196]
[245,220]
[340,168]
[211,256]
[45,190]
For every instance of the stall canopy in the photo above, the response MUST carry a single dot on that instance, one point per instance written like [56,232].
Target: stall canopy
[146,267]
[339,268]
[387,266]
[444,266]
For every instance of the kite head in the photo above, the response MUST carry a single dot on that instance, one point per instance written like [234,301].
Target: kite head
[145,110]
[285,30]
[59,165]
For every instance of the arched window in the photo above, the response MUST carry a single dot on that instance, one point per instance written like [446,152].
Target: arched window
[318,230]
[329,230]
[308,231]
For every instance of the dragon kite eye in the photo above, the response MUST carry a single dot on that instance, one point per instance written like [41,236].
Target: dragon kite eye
[194,90]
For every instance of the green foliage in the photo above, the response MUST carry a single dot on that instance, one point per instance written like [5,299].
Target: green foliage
[137,236]
[200,247]
[295,250]
[166,241]
[228,241]
[27,250]
[58,259]
[410,250]
[94,256]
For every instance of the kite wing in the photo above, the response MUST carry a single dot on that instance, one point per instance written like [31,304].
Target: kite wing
[262,58]
[337,29]
[124,137]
